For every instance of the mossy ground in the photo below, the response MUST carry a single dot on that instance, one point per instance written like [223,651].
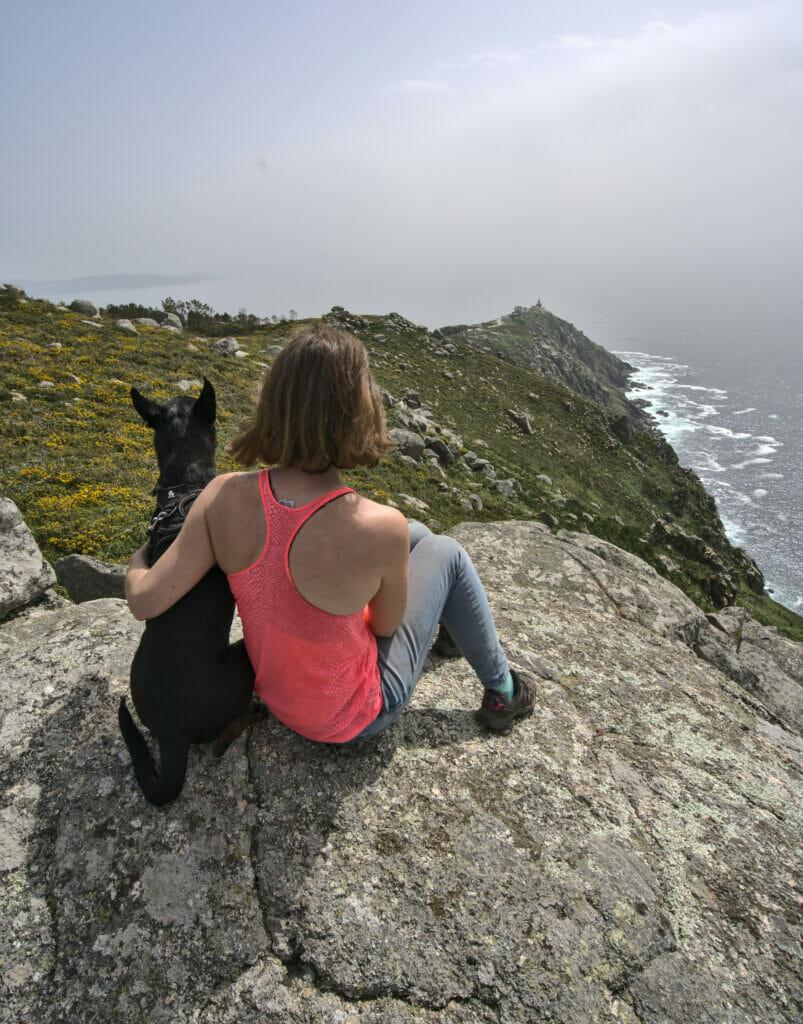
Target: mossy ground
[77,460]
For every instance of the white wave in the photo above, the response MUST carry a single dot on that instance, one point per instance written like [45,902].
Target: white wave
[743,412]
[698,387]
[642,355]
[731,435]
[748,462]
[706,411]
[770,476]
[759,492]
[708,464]
[734,531]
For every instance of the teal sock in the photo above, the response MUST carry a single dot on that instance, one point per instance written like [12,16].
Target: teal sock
[506,687]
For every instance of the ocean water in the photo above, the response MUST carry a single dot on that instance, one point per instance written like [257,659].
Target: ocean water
[726,394]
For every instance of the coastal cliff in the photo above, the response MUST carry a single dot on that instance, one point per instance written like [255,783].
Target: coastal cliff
[480,437]
[536,338]
[630,853]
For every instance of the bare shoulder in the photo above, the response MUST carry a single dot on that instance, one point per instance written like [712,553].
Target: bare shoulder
[228,487]
[383,518]
[235,518]
[230,498]
[384,534]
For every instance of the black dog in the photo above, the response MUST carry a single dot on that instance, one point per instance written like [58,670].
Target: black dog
[188,684]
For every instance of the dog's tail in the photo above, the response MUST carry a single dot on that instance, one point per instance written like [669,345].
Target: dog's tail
[162,785]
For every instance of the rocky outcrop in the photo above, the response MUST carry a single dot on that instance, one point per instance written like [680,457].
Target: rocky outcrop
[407,442]
[556,349]
[85,306]
[87,579]
[228,347]
[13,290]
[172,320]
[126,327]
[630,853]
[24,574]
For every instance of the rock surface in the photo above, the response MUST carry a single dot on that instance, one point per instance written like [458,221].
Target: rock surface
[631,853]
[24,574]
[126,327]
[87,579]
[226,346]
[84,306]
[408,443]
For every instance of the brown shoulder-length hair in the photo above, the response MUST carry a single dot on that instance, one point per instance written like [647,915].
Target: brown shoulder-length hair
[319,406]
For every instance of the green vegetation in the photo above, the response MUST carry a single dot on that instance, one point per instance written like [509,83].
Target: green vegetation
[198,317]
[78,462]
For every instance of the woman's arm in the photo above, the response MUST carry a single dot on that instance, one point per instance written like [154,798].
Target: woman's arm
[150,592]
[386,608]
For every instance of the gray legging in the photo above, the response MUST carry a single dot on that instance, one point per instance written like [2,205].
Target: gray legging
[444,587]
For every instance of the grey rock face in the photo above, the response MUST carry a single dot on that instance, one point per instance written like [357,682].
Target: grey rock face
[87,579]
[172,320]
[484,468]
[629,853]
[84,306]
[24,574]
[146,321]
[508,487]
[126,327]
[13,289]
[226,346]
[522,420]
[622,427]
[407,443]
[446,453]
[765,664]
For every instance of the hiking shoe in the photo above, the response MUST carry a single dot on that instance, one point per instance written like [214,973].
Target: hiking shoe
[444,646]
[498,714]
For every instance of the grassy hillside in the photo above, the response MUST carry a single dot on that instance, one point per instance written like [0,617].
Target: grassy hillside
[77,460]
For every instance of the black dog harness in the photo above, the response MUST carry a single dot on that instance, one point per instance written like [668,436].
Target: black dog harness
[167,520]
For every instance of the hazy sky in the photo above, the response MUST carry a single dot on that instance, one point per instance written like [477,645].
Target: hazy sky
[443,159]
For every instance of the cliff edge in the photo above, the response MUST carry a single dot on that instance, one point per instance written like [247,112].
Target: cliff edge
[631,853]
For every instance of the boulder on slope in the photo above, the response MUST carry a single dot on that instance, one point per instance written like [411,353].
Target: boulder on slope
[24,574]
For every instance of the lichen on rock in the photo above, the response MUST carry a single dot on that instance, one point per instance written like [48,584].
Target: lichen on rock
[630,853]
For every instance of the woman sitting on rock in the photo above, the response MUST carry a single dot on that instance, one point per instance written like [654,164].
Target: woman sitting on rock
[339,596]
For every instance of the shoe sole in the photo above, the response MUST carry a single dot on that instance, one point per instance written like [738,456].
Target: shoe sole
[502,728]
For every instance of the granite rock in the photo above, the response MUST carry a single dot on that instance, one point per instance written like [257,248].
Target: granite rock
[24,574]
[630,853]
[87,579]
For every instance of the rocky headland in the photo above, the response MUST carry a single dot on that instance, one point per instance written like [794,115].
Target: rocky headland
[630,854]
[535,337]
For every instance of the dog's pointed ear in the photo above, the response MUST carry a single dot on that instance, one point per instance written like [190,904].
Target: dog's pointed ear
[148,410]
[205,407]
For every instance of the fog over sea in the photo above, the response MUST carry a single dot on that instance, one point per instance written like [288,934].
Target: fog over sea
[726,390]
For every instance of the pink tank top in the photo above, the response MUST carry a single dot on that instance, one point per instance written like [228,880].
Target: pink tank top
[315,671]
